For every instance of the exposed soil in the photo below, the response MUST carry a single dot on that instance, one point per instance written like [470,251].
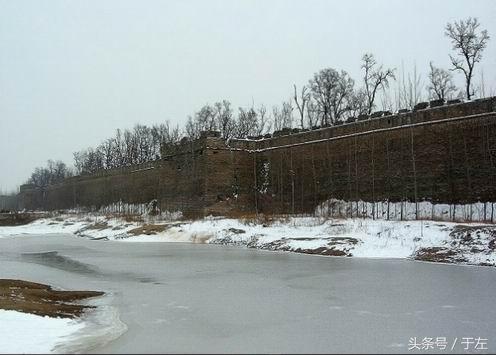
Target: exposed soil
[464,241]
[323,251]
[98,225]
[132,218]
[343,240]
[469,235]
[334,246]
[148,229]
[439,254]
[17,219]
[40,299]
[237,231]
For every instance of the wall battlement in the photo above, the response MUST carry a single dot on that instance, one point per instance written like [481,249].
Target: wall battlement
[445,154]
[292,136]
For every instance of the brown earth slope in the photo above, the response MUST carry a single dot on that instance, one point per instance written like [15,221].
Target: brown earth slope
[40,299]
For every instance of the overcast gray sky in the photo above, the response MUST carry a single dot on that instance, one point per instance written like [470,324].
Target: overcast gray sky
[71,72]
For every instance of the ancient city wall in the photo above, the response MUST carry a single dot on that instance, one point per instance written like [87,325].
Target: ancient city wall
[448,162]
[7,202]
[445,154]
[177,181]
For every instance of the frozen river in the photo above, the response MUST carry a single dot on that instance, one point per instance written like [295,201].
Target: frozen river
[209,298]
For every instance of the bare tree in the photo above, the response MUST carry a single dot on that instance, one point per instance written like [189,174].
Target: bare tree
[375,77]
[163,134]
[283,117]
[441,86]
[482,85]
[40,177]
[331,89]
[119,149]
[224,117]
[139,145]
[84,161]
[94,161]
[54,172]
[287,114]
[79,159]
[410,89]
[277,118]
[212,117]
[130,148]
[312,114]
[247,124]
[144,144]
[206,118]
[192,128]
[106,149]
[264,124]
[301,102]
[387,100]
[58,170]
[468,43]
[358,103]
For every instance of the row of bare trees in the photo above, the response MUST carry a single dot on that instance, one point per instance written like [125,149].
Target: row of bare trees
[251,121]
[128,147]
[52,173]
[328,98]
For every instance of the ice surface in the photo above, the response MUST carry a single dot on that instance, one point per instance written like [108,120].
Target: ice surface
[192,298]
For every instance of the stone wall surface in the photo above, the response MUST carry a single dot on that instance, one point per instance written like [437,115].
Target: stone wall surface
[8,202]
[452,162]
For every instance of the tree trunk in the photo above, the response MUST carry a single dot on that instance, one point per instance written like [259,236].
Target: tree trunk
[414,173]
[255,182]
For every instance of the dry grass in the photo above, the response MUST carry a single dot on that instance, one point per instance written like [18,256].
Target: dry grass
[128,217]
[132,218]
[148,229]
[323,251]
[40,299]
[438,254]
[343,240]
[263,219]
[98,225]
[18,219]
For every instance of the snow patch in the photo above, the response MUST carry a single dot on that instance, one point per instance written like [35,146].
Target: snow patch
[29,333]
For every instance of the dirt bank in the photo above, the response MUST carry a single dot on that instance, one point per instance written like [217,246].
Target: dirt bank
[19,219]
[40,299]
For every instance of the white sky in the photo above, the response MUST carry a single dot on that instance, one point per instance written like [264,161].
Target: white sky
[71,72]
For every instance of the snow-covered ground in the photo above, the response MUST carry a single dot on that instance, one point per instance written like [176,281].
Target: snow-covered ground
[359,237]
[29,333]
[462,243]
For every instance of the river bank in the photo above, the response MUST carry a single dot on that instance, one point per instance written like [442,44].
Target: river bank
[446,242]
